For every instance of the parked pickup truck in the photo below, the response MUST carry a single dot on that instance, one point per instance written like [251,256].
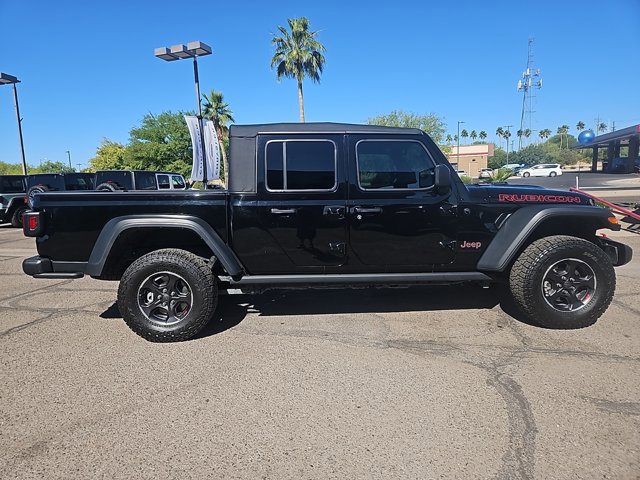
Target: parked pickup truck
[114,180]
[326,204]
[13,189]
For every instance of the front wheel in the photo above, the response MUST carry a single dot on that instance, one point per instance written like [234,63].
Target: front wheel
[562,282]
[168,295]
[526,174]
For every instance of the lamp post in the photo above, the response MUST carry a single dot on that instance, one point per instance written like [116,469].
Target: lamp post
[69,155]
[6,79]
[191,50]
[458,148]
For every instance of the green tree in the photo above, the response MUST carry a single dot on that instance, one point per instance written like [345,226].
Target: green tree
[430,123]
[11,168]
[298,55]
[216,110]
[602,127]
[473,135]
[50,166]
[498,159]
[449,138]
[161,142]
[109,156]
[464,133]
[580,126]
[482,135]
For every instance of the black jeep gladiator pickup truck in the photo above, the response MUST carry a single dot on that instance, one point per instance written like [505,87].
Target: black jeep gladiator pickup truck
[326,204]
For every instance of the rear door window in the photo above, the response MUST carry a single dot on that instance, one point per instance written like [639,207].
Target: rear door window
[301,165]
[178,182]
[163,182]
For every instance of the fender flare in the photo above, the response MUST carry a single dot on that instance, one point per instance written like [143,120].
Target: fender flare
[521,224]
[116,226]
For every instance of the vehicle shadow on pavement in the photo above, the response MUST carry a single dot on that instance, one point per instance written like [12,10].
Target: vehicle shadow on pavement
[233,309]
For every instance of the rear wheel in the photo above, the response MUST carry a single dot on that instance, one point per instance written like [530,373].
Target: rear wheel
[168,295]
[562,282]
[552,174]
[16,218]
[526,174]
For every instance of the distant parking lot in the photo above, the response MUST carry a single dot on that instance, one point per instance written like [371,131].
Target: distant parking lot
[409,383]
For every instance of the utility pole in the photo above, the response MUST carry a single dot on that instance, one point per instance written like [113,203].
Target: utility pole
[79,166]
[531,80]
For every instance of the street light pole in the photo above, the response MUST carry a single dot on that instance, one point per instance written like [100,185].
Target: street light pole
[458,148]
[191,50]
[6,79]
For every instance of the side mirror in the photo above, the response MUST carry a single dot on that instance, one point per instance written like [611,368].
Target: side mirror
[443,179]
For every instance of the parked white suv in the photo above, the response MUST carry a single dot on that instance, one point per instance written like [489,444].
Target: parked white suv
[485,173]
[542,170]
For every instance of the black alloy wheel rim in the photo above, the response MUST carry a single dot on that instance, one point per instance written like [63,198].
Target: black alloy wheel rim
[569,285]
[165,298]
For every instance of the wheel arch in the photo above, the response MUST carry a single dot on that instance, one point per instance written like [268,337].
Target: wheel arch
[127,230]
[531,223]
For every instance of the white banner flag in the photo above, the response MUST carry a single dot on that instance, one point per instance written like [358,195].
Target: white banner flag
[212,150]
[196,144]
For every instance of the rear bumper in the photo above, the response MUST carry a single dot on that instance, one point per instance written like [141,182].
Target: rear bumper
[39,267]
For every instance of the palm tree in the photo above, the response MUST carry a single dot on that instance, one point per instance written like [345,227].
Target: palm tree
[455,138]
[544,133]
[449,138]
[519,134]
[580,125]
[298,55]
[499,132]
[563,131]
[482,135]
[527,132]
[602,127]
[473,135]
[216,110]
[464,133]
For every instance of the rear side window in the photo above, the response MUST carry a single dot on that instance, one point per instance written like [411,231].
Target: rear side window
[146,181]
[394,164]
[12,185]
[163,182]
[300,165]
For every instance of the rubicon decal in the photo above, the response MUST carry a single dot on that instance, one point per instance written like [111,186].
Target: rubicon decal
[471,245]
[510,197]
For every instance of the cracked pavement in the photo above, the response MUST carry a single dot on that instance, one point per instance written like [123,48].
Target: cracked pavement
[434,382]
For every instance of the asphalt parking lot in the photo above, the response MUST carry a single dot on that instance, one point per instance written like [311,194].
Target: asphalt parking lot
[437,382]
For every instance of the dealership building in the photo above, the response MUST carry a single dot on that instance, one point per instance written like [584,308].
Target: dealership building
[471,158]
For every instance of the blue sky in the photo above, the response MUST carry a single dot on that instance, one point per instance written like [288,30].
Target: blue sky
[88,70]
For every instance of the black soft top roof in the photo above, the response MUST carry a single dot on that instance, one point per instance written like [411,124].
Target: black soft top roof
[315,127]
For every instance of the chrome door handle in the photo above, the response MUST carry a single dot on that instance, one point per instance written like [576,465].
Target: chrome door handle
[285,211]
[367,209]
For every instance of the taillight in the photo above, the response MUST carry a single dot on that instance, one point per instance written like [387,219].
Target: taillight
[32,224]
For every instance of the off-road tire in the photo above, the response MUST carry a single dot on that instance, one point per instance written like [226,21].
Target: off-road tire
[106,187]
[526,281]
[36,189]
[16,218]
[195,272]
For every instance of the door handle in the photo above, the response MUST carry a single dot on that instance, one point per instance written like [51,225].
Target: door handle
[367,209]
[329,210]
[283,211]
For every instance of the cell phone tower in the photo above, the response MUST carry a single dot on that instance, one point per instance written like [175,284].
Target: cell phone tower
[530,82]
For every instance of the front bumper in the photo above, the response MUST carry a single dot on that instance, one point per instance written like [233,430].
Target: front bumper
[39,267]
[619,253]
